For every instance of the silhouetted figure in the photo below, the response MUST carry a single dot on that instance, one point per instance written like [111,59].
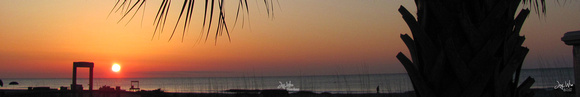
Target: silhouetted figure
[377,89]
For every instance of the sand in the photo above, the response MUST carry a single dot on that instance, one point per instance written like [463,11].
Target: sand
[96,93]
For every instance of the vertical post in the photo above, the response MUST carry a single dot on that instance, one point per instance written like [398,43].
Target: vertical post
[573,38]
[91,81]
[74,78]
[576,54]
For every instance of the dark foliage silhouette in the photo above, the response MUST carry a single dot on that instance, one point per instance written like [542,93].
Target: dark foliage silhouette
[129,7]
[467,48]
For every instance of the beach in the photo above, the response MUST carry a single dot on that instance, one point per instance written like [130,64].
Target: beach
[97,93]
[546,92]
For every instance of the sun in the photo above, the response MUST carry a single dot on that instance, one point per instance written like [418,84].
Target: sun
[116,68]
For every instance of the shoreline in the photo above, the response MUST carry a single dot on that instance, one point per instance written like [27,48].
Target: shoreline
[158,93]
[539,92]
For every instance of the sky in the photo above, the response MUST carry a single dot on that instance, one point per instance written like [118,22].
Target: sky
[42,38]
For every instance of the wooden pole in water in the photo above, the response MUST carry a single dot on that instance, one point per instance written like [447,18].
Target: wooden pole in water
[573,38]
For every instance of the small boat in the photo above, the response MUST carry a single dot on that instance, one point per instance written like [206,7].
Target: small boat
[13,83]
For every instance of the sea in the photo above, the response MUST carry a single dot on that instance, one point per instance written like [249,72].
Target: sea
[358,83]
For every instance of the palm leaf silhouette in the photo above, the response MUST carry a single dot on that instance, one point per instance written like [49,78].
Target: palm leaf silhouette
[126,7]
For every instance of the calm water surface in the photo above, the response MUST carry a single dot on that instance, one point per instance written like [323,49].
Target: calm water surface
[365,83]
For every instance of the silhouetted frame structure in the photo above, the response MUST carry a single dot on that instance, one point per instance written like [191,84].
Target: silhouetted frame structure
[90,65]
[573,38]
[133,88]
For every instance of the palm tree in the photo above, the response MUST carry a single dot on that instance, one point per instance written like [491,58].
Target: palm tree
[467,48]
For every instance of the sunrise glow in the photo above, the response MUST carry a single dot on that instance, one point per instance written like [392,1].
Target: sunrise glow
[41,39]
[116,68]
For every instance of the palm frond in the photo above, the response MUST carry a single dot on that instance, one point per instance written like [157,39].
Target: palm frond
[185,3]
[129,8]
[134,14]
[116,3]
[539,6]
[210,18]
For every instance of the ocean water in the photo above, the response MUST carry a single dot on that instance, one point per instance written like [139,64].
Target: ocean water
[363,83]
[548,77]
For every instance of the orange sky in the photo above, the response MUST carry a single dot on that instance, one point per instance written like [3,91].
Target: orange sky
[41,39]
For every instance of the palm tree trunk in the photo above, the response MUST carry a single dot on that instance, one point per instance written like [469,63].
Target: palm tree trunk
[466,48]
